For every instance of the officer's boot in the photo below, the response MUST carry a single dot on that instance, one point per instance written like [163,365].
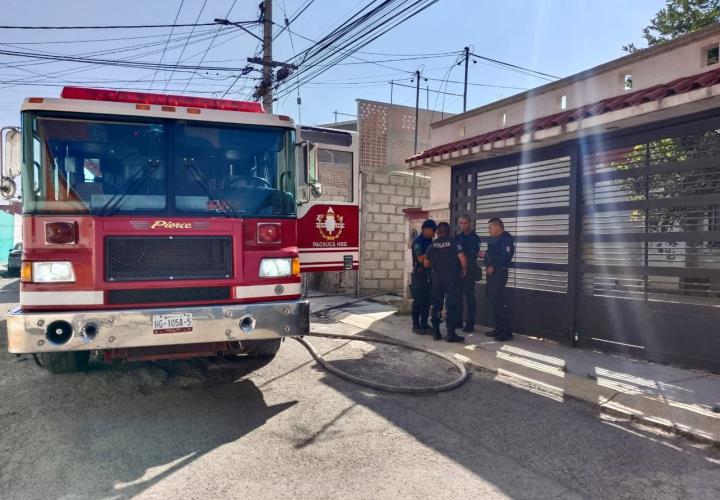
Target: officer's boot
[454,337]
[424,324]
[436,330]
[416,323]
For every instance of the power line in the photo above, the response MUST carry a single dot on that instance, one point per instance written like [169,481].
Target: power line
[355,82]
[388,20]
[127,26]
[299,12]
[186,42]
[94,40]
[232,6]
[515,66]
[89,64]
[177,15]
[120,62]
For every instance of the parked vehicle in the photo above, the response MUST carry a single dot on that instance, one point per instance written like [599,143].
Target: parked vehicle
[159,227]
[14,259]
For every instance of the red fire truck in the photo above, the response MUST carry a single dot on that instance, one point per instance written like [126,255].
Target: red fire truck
[159,226]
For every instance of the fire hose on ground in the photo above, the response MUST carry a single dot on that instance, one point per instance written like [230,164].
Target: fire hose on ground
[401,389]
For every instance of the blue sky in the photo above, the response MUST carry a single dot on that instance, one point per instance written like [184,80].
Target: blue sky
[558,37]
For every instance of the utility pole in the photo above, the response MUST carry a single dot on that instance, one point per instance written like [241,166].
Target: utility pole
[392,83]
[417,113]
[264,89]
[427,97]
[267,59]
[417,106]
[467,57]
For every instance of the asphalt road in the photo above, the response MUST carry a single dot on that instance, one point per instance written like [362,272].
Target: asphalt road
[236,429]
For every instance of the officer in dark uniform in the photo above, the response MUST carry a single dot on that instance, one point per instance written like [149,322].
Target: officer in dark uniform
[447,260]
[501,249]
[420,280]
[470,242]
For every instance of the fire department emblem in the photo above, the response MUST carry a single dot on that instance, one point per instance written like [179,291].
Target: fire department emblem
[330,225]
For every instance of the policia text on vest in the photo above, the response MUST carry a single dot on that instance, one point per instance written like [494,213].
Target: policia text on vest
[449,265]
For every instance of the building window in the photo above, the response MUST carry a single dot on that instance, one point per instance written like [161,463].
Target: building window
[627,82]
[712,55]
[563,102]
[503,119]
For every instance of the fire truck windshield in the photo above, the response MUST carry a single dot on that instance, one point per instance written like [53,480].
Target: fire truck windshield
[75,164]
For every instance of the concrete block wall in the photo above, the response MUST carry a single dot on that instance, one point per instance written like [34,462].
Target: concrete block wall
[383,234]
[387,138]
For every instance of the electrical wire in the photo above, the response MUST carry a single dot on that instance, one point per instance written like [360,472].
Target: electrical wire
[389,19]
[87,65]
[126,26]
[185,46]
[177,15]
[95,40]
[299,12]
[531,72]
[232,6]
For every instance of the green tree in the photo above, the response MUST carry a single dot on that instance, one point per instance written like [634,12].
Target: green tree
[679,17]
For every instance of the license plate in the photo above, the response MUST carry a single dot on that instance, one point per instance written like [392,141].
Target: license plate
[172,323]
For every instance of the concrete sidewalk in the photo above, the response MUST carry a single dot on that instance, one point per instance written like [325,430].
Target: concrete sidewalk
[673,399]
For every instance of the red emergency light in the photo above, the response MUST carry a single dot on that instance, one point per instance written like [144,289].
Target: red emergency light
[160,99]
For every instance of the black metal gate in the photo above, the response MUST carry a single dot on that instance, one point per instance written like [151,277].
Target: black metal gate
[617,239]
[532,197]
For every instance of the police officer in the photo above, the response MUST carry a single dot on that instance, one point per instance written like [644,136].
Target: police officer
[420,279]
[470,242]
[447,260]
[501,249]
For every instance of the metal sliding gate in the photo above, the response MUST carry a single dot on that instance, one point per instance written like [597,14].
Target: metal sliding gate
[617,240]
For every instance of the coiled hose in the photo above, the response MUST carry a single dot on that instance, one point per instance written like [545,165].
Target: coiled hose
[400,389]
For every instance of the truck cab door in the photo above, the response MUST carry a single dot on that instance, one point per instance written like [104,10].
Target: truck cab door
[328,200]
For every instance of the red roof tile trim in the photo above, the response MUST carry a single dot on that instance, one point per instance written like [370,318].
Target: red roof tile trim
[655,93]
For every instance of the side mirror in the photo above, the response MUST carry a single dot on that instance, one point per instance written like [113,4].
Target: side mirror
[10,161]
[316,189]
[12,149]
[310,162]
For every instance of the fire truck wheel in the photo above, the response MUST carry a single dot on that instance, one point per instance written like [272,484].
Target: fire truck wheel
[261,348]
[64,362]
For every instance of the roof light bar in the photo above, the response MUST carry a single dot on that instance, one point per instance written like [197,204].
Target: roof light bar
[160,99]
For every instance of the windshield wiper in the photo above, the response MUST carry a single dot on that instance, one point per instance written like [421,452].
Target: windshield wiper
[192,168]
[130,187]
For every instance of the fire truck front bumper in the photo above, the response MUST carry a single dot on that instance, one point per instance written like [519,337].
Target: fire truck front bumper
[57,331]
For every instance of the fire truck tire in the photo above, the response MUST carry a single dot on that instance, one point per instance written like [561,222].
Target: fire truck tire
[261,348]
[64,362]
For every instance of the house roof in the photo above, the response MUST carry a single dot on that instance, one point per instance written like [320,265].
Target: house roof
[621,62]
[654,93]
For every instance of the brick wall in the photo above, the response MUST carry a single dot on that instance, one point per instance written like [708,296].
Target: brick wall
[336,181]
[384,238]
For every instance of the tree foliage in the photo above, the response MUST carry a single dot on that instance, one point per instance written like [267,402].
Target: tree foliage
[679,17]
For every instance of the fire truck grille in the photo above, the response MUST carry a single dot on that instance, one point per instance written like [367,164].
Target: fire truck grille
[162,295]
[168,258]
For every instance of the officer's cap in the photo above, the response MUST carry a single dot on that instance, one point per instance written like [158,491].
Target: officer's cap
[429,223]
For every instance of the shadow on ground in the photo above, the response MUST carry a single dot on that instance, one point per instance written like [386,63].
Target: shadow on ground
[123,428]
[503,434]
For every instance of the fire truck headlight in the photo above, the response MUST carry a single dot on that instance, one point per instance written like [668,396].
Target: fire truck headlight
[275,268]
[53,272]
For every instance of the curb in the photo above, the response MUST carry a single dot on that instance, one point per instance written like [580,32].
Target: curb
[581,388]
